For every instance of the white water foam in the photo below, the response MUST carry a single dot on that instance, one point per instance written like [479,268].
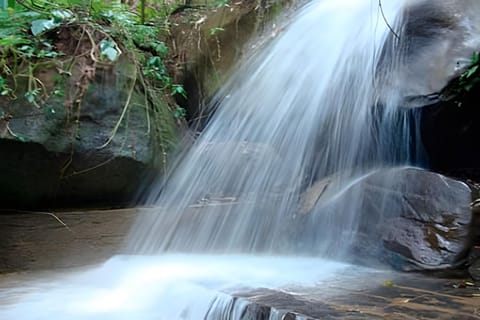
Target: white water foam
[169,287]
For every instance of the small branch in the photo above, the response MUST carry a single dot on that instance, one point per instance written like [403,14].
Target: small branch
[58,219]
[75,173]
[124,111]
[386,21]
[47,214]
[93,44]
[13,134]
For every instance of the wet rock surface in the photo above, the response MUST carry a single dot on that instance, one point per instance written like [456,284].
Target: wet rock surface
[410,218]
[474,270]
[474,263]
[408,296]
[431,223]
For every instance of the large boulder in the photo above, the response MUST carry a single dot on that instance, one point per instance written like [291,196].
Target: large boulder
[90,143]
[409,218]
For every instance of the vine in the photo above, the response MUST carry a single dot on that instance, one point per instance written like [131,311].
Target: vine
[101,34]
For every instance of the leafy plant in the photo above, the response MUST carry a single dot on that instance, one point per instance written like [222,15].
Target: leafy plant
[31,95]
[178,89]
[155,69]
[221,3]
[5,90]
[22,49]
[110,50]
[104,31]
[41,25]
[180,113]
[474,65]
[470,77]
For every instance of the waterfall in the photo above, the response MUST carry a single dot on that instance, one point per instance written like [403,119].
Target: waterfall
[327,102]
[313,103]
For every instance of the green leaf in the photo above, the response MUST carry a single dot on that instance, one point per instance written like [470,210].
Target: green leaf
[180,113]
[30,95]
[28,14]
[221,3]
[109,50]
[105,44]
[214,31]
[61,15]
[160,48]
[12,41]
[111,54]
[58,93]
[41,25]
[471,71]
[178,89]
[154,62]
[476,57]
[51,54]
[41,54]
[25,48]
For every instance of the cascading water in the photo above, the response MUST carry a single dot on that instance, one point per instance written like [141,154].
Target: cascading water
[306,107]
[320,102]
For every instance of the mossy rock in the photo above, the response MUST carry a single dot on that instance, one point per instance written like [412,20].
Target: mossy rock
[90,144]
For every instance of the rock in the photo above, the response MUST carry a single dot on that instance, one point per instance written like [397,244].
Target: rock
[431,228]
[474,262]
[410,218]
[67,153]
[311,196]
[353,295]
[474,270]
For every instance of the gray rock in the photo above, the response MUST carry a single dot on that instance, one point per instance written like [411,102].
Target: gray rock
[410,218]
[56,153]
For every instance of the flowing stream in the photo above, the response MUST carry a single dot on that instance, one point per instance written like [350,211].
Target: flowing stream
[325,99]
